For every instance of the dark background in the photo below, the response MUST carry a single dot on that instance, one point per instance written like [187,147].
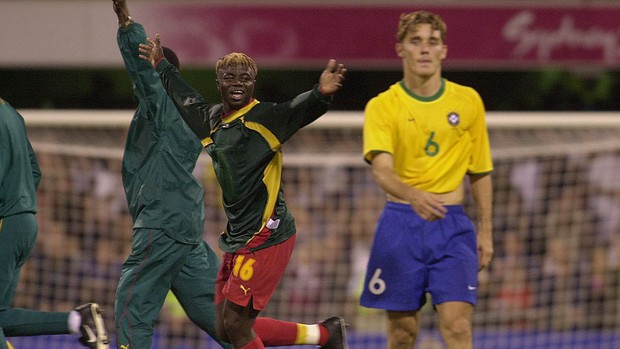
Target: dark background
[534,90]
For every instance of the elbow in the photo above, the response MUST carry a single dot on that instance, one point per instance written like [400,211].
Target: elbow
[380,174]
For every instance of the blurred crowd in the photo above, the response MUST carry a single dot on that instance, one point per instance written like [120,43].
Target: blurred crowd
[557,229]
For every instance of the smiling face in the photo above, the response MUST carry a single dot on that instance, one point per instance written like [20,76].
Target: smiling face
[236,86]
[236,76]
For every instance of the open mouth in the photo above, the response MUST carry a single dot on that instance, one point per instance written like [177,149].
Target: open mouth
[237,94]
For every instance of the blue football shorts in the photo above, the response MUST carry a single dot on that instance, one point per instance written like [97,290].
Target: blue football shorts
[411,256]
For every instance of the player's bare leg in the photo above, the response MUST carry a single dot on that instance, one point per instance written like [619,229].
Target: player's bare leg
[403,327]
[455,324]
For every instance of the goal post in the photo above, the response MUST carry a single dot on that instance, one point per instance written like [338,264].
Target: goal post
[554,282]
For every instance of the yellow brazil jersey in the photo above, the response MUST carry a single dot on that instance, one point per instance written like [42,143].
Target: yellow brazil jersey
[434,141]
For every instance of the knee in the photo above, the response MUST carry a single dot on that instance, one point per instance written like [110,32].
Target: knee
[402,334]
[459,327]
[237,322]
[220,328]
[401,338]
[233,325]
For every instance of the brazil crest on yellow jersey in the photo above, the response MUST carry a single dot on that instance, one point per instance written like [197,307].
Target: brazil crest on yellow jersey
[435,141]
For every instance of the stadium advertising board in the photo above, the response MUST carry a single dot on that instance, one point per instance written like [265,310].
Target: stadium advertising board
[487,36]
[296,36]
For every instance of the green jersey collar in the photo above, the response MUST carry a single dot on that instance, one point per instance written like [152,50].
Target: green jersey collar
[425,99]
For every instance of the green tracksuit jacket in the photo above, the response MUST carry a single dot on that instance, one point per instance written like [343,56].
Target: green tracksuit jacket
[160,155]
[19,170]
[167,206]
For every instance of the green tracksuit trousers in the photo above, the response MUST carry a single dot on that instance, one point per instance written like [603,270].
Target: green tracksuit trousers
[158,264]
[18,235]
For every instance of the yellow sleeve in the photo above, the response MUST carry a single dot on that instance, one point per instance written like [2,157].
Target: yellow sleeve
[378,131]
[481,161]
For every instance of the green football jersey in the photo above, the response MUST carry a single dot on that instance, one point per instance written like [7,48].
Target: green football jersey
[245,147]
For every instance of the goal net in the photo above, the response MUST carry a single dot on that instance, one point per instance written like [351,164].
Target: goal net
[554,282]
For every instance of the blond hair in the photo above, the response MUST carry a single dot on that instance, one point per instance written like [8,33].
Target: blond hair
[408,22]
[236,59]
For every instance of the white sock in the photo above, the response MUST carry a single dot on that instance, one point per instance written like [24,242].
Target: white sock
[308,334]
[74,321]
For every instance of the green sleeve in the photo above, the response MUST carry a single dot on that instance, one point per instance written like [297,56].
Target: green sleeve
[193,108]
[146,84]
[287,118]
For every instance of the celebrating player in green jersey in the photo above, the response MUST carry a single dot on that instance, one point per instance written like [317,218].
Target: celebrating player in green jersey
[244,138]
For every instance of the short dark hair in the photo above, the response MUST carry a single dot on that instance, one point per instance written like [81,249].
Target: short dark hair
[171,56]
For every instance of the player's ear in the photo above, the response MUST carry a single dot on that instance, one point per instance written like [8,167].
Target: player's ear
[445,52]
[399,49]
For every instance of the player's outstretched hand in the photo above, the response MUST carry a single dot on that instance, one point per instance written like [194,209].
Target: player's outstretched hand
[152,51]
[332,77]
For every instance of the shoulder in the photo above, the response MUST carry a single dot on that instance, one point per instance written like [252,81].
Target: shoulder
[262,109]
[215,115]
[463,91]
[8,114]
[385,97]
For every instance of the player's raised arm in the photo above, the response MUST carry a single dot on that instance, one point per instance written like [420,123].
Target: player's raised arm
[191,105]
